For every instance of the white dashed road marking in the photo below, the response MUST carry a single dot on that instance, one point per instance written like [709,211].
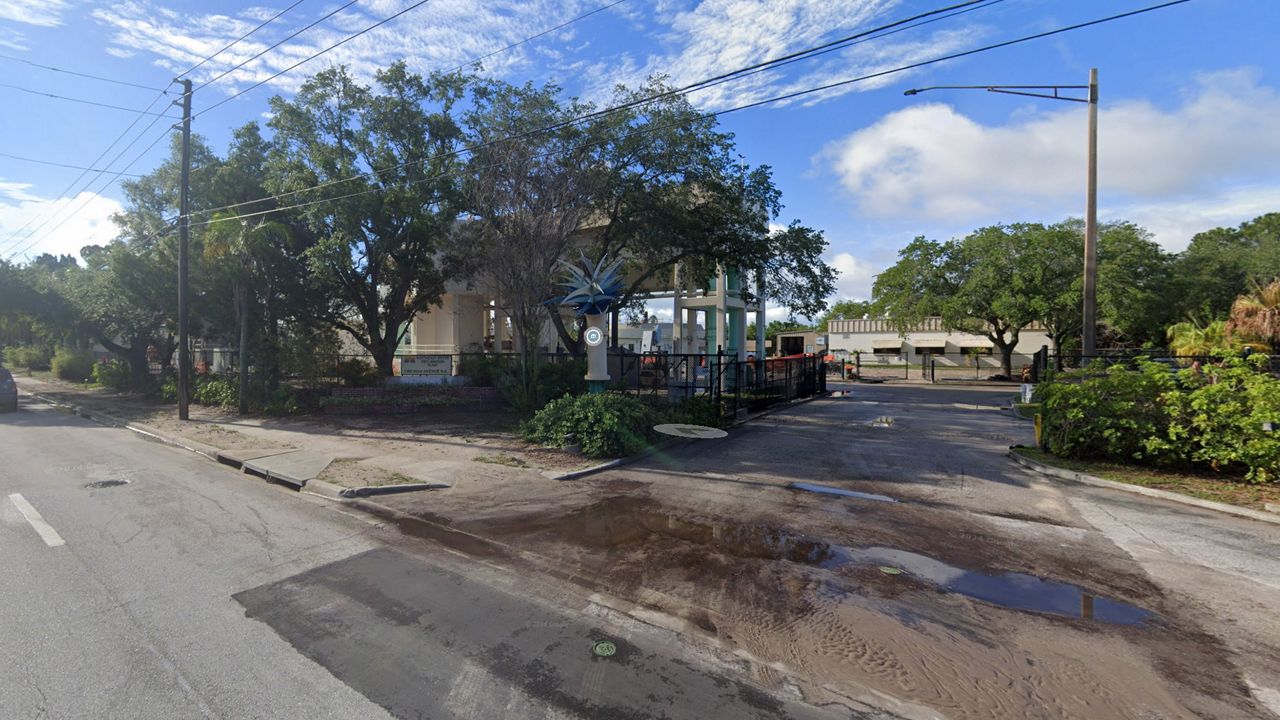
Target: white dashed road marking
[46,531]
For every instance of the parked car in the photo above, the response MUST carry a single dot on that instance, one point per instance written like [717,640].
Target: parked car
[8,392]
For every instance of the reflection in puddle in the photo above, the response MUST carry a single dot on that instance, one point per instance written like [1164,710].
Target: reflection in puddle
[629,523]
[828,490]
[1017,591]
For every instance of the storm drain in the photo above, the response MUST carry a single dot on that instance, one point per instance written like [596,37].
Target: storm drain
[106,484]
[604,649]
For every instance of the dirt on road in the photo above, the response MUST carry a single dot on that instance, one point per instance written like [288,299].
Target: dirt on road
[923,599]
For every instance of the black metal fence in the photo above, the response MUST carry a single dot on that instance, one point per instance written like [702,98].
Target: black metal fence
[738,386]
[1045,363]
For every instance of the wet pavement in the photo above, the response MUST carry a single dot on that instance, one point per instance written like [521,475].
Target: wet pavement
[426,642]
[883,551]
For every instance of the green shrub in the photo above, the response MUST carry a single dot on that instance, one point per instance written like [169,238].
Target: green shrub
[1212,417]
[482,370]
[31,357]
[72,364]
[1219,420]
[356,372]
[528,389]
[603,424]
[216,390]
[112,374]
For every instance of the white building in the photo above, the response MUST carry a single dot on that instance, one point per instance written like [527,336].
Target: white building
[654,337]
[877,341]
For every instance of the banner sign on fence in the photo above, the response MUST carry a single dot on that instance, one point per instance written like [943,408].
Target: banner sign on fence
[420,365]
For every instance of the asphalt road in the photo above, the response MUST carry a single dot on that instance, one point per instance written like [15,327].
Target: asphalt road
[190,591]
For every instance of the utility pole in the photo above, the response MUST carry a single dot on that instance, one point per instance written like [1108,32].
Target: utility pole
[1089,339]
[184,235]
[1088,333]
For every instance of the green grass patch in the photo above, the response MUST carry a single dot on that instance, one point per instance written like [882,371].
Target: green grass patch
[1027,411]
[507,460]
[1206,486]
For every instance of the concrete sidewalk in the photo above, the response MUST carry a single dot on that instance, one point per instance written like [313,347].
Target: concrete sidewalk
[446,449]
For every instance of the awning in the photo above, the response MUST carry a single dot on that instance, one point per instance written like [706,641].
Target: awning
[922,344]
[895,344]
[974,343]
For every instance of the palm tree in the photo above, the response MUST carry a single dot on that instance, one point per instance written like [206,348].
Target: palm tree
[241,246]
[1190,338]
[1255,318]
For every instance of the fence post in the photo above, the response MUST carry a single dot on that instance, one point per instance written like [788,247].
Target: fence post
[933,372]
[857,359]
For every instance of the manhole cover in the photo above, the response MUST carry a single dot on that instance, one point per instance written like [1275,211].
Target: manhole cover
[107,483]
[604,648]
[702,432]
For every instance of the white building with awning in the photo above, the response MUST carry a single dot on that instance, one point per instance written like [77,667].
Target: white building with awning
[877,340]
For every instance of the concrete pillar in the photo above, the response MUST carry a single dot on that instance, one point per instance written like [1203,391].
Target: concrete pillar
[677,313]
[760,315]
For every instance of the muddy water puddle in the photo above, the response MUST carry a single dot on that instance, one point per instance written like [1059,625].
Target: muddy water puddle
[631,523]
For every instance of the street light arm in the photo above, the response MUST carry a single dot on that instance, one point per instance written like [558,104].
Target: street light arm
[1009,90]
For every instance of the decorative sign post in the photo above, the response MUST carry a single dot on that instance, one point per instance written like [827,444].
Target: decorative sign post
[592,288]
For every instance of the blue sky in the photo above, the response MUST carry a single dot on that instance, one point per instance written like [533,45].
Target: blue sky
[1189,95]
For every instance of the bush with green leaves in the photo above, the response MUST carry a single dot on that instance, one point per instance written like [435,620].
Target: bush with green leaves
[72,364]
[602,424]
[216,390]
[528,388]
[112,374]
[1111,414]
[1220,420]
[31,357]
[1213,416]
[700,410]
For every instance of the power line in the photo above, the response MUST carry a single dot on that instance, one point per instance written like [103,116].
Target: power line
[13,240]
[115,176]
[79,74]
[531,38]
[79,100]
[125,132]
[238,40]
[294,66]
[276,45]
[58,164]
[717,113]
[724,77]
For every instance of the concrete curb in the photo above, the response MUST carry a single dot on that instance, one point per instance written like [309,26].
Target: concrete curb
[207,451]
[324,489]
[1082,478]
[386,489]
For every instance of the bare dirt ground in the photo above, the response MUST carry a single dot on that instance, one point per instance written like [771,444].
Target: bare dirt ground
[980,593]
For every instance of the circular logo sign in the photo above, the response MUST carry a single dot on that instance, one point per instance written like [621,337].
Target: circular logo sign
[594,336]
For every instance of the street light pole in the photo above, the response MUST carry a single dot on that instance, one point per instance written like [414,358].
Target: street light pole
[1088,334]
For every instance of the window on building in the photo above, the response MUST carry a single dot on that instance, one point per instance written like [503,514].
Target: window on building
[976,350]
[887,351]
[930,350]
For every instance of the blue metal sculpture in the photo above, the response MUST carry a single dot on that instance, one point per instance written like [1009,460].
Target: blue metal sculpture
[592,288]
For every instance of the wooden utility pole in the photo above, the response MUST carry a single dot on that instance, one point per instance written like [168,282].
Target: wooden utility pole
[184,236]
[1088,338]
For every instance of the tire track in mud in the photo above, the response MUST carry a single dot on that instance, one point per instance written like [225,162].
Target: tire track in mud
[762,588]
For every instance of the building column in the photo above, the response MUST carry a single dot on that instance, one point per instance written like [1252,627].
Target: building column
[760,316]
[677,310]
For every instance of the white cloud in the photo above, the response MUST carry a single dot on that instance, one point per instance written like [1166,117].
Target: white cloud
[12,39]
[437,36]
[856,276]
[929,162]
[710,37]
[45,13]
[19,209]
